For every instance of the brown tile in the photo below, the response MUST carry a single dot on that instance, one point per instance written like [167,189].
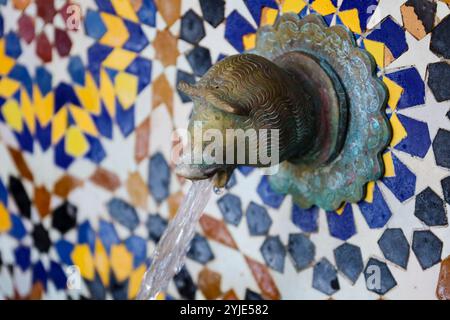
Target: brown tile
[174,202]
[443,286]
[412,22]
[230,295]
[20,164]
[138,190]
[209,283]
[21,4]
[217,230]
[36,291]
[162,93]
[141,148]
[166,50]
[264,280]
[65,185]
[105,179]
[42,200]
[169,10]
[388,56]
[136,4]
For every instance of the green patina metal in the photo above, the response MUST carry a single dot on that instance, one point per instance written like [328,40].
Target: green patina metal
[313,84]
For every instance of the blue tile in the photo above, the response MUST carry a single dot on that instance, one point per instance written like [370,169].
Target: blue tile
[105,5]
[258,220]
[64,249]
[395,247]
[142,68]
[200,250]
[444,182]
[376,213]
[96,288]
[274,253]
[231,208]
[96,54]
[302,251]
[185,286]
[391,34]
[103,122]
[119,290]
[199,59]
[137,40]
[413,87]
[108,234]
[245,170]
[159,177]
[44,80]
[251,295]
[427,248]
[2,23]
[341,226]
[25,139]
[147,13]
[379,278]
[231,182]
[125,119]
[403,185]
[86,235]
[188,78]
[23,257]
[365,10]
[213,11]
[123,213]
[438,78]
[305,219]
[57,275]
[20,73]
[138,247]
[430,208]
[325,277]
[156,226]
[441,148]
[418,141]
[76,70]
[236,28]
[18,230]
[349,261]
[43,135]
[192,29]
[255,7]
[96,152]
[64,94]
[3,193]
[12,45]
[39,274]
[94,25]
[268,195]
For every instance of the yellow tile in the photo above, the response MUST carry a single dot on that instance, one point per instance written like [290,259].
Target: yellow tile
[82,257]
[351,19]
[135,281]
[395,92]
[13,116]
[59,125]
[369,192]
[324,7]
[268,16]
[8,87]
[160,296]
[340,210]
[101,262]
[107,93]
[76,143]
[28,111]
[83,120]
[389,169]
[126,87]
[89,95]
[43,106]
[292,6]
[125,10]
[119,59]
[5,219]
[121,262]
[398,131]
[249,41]
[377,50]
[6,63]
[116,34]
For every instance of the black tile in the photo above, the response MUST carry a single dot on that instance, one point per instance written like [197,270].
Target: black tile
[41,238]
[379,278]
[430,208]
[252,295]
[439,79]
[200,60]
[427,248]
[213,11]
[325,277]
[159,177]
[231,208]
[349,261]
[425,11]
[446,187]
[258,220]
[123,213]
[20,196]
[200,250]
[192,29]
[440,38]
[395,247]
[302,250]
[274,253]
[441,148]
[185,286]
[156,226]
[119,290]
[64,217]
[188,78]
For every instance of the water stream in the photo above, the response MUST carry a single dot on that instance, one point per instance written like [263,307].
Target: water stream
[170,253]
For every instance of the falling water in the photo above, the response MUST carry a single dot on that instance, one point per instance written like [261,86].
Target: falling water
[171,250]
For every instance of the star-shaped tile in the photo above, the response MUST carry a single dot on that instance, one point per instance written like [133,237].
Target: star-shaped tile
[216,36]
[386,8]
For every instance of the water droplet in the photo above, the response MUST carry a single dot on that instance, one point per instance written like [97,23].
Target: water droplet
[218,190]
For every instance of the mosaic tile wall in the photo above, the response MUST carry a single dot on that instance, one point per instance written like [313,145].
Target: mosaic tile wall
[87,109]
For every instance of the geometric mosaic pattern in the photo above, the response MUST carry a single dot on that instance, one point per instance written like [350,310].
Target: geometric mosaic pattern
[86,116]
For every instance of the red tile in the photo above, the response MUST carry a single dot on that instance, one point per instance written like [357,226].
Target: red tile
[264,280]
[106,179]
[141,148]
[63,43]
[443,286]
[26,28]
[46,10]
[217,230]
[43,47]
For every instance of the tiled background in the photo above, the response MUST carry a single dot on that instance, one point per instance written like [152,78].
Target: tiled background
[86,118]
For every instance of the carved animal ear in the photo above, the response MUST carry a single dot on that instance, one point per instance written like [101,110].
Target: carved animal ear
[188,89]
[224,105]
